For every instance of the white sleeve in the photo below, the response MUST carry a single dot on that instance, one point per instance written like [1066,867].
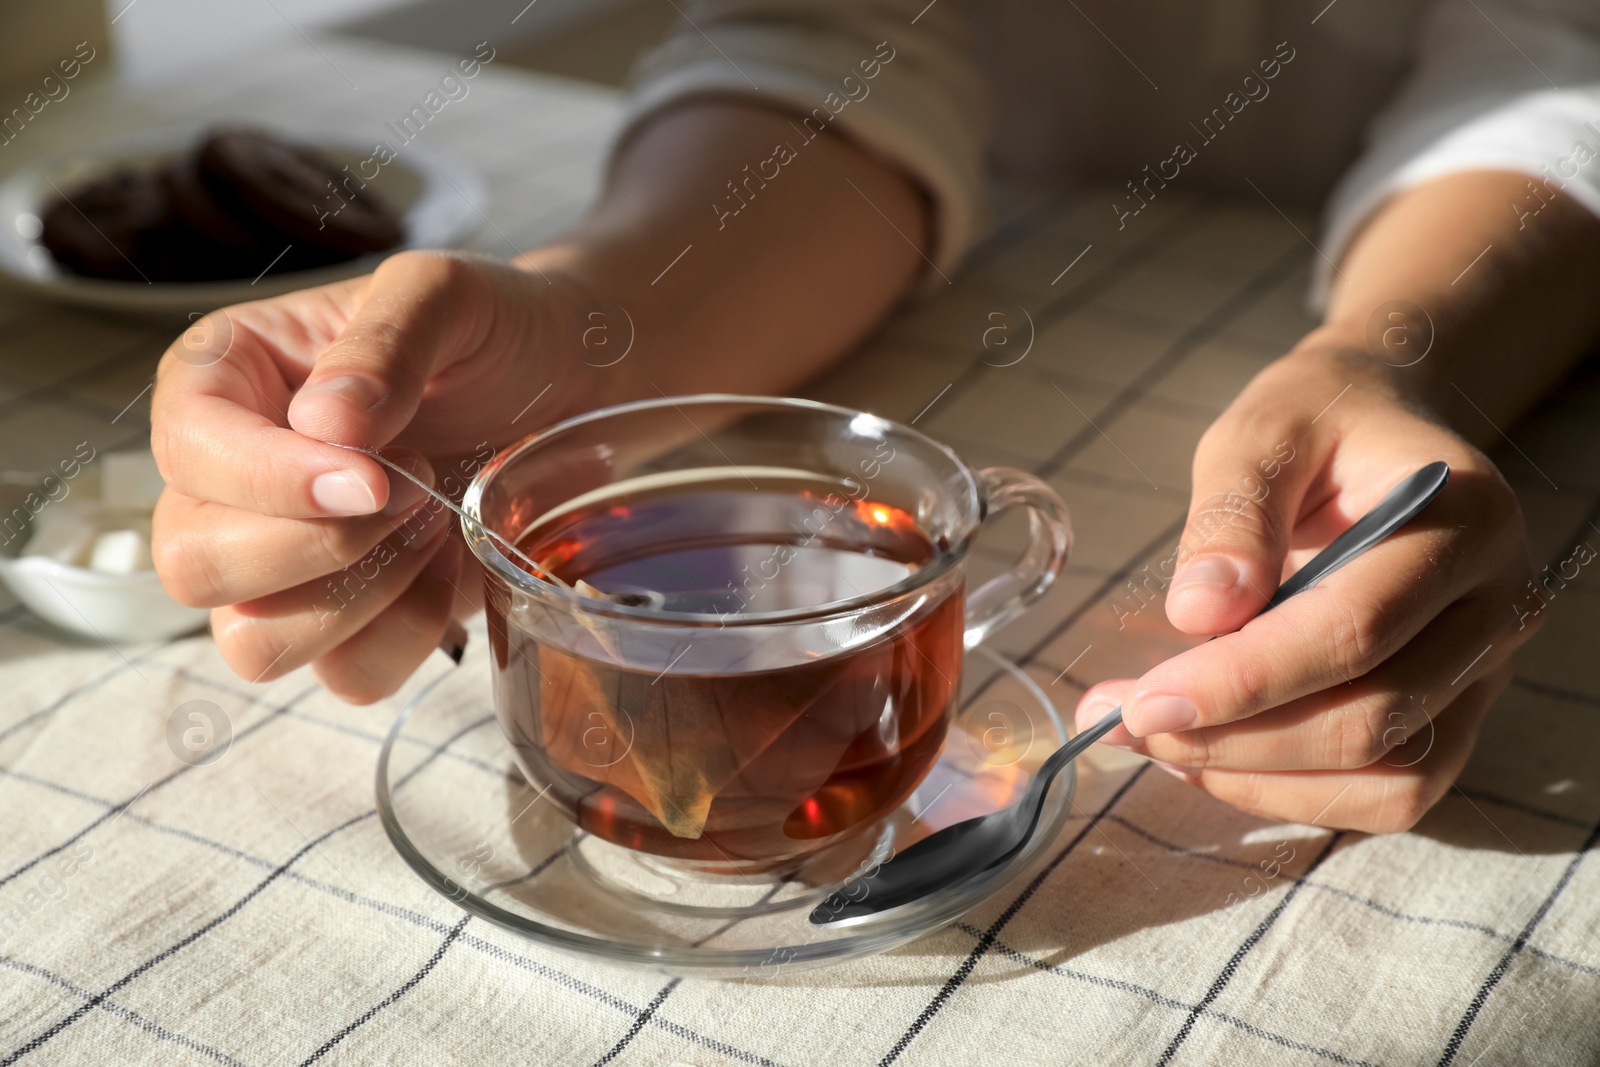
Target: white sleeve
[1499,85]
[895,76]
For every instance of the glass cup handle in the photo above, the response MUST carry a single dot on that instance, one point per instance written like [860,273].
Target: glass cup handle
[1004,597]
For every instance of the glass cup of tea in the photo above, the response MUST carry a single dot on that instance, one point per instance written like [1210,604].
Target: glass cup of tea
[731,629]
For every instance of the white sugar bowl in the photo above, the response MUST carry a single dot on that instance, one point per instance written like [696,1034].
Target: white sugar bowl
[75,549]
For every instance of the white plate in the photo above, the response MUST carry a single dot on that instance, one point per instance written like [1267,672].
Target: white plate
[442,201]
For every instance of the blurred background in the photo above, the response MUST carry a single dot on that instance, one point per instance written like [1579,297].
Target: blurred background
[590,40]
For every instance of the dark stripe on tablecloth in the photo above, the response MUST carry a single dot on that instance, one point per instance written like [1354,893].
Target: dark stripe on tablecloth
[346,728]
[147,1025]
[650,1011]
[487,948]
[1481,997]
[439,751]
[75,692]
[1099,593]
[1523,808]
[1232,308]
[965,970]
[42,1039]
[638,1023]
[478,944]
[1070,301]
[113,812]
[1355,898]
[1232,966]
[405,987]
[1165,1001]
[1558,693]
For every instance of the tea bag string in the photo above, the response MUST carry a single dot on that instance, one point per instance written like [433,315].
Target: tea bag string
[373,453]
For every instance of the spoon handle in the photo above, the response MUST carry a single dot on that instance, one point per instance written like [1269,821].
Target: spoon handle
[1402,504]
[1076,746]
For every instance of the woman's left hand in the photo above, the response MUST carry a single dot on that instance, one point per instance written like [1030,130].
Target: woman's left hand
[1356,703]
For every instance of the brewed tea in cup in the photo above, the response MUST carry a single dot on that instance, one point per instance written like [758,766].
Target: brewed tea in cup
[733,629]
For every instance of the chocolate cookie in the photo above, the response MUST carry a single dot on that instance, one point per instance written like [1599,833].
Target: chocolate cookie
[238,250]
[238,202]
[296,192]
[99,229]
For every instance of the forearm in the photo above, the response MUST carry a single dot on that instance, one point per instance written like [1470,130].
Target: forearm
[752,289]
[1506,327]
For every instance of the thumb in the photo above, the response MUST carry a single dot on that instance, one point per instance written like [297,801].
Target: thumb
[415,318]
[1248,488]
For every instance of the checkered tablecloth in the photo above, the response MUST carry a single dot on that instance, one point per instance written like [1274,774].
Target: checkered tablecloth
[251,910]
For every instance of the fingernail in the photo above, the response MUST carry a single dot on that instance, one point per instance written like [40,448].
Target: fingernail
[343,493]
[362,394]
[1160,713]
[404,494]
[454,641]
[1207,572]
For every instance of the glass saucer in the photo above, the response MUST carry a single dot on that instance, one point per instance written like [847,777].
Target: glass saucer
[460,813]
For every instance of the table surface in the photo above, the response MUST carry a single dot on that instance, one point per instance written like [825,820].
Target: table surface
[253,911]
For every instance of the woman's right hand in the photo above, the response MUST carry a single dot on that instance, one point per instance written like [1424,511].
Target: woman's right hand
[308,553]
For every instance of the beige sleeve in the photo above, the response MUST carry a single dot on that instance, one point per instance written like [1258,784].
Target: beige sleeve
[1478,101]
[894,77]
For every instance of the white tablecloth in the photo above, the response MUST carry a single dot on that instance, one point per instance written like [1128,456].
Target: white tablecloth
[252,910]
